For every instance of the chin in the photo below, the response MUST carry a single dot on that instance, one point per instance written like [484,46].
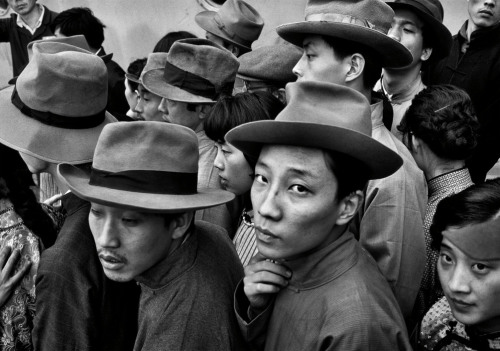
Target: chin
[119,277]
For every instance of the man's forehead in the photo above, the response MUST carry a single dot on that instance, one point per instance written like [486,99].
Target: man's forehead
[313,41]
[406,16]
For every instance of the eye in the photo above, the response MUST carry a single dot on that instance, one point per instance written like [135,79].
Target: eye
[225,151]
[95,212]
[299,189]
[130,221]
[409,30]
[445,258]
[480,268]
[259,178]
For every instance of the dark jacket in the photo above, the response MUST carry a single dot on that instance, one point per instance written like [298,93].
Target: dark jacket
[20,37]
[77,307]
[477,71]
[117,103]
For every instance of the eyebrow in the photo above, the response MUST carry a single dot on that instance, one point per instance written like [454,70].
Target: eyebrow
[293,170]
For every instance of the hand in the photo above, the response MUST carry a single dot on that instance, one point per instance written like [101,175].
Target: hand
[52,200]
[8,280]
[263,279]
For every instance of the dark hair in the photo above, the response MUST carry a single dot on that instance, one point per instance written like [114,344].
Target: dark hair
[80,20]
[343,48]
[350,173]
[135,68]
[165,43]
[231,111]
[443,117]
[476,204]
[15,182]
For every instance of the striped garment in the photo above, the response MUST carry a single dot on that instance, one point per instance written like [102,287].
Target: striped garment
[244,240]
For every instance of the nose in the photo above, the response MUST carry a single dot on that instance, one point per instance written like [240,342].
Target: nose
[107,235]
[269,206]
[459,280]
[297,69]
[162,107]
[394,33]
[139,107]
[219,159]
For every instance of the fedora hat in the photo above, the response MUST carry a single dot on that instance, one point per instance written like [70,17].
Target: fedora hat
[196,71]
[156,60]
[56,110]
[145,166]
[324,116]
[236,22]
[365,22]
[271,63]
[431,13]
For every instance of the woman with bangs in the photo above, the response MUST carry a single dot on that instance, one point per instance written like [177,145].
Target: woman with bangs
[236,171]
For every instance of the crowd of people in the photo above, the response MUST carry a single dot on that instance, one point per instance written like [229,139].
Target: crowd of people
[326,192]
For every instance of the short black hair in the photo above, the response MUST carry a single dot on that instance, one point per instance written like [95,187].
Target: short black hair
[165,43]
[343,48]
[444,118]
[231,111]
[476,204]
[351,174]
[80,20]
[135,68]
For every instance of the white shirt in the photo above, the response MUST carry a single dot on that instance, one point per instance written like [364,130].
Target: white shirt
[20,22]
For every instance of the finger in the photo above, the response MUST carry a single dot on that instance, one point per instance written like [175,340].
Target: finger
[268,266]
[260,288]
[16,278]
[257,258]
[8,270]
[51,200]
[266,278]
[4,255]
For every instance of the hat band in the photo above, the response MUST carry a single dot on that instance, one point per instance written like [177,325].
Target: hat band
[145,181]
[55,120]
[340,18]
[194,84]
[233,36]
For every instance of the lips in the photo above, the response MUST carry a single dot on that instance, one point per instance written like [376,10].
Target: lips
[111,262]
[265,236]
[460,304]
[486,12]
[223,181]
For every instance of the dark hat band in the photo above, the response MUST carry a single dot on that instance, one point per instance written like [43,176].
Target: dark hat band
[145,181]
[194,84]
[340,18]
[55,120]
[233,36]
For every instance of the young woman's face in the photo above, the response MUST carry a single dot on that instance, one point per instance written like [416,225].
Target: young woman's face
[235,174]
[471,286]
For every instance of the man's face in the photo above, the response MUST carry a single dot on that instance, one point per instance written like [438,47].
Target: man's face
[319,63]
[406,28]
[22,7]
[294,197]
[177,112]
[128,242]
[484,13]
[147,106]
[471,286]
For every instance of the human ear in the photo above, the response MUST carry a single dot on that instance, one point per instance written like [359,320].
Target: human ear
[180,224]
[202,110]
[356,64]
[426,53]
[349,206]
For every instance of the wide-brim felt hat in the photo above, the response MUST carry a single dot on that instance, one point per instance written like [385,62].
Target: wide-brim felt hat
[236,22]
[325,116]
[196,71]
[144,166]
[132,77]
[365,22]
[431,12]
[56,111]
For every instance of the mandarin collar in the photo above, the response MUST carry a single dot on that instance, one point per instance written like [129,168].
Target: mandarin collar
[405,94]
[324,265]
[172,266]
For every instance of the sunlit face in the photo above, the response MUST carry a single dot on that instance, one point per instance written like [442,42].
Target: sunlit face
[294,197]
[471,286]
[406,28]
[22,7]
[177,112]
[132,96]
[235,173]
[147,106]
[128,242]
[35,165]
[319,63]
[484,13]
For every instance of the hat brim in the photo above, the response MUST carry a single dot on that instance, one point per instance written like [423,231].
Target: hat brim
[132,78]
[391,53]
[48,143]
[440,36]
[77,180]
[379,160]
[205,21]
[154,81]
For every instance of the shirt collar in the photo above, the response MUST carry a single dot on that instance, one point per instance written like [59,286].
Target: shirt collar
[324,265]
[405,94]
[20,22]
[443,182]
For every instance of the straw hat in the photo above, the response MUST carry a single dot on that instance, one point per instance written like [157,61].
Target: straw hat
[324,116]
[145,166]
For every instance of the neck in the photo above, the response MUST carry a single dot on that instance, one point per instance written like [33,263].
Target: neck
[439,167]
[61,185]
[32,18]
[396,81]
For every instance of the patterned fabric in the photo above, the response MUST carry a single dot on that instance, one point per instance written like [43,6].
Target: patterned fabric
[439,188]
[18,312]
[244,240]
[440,331]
